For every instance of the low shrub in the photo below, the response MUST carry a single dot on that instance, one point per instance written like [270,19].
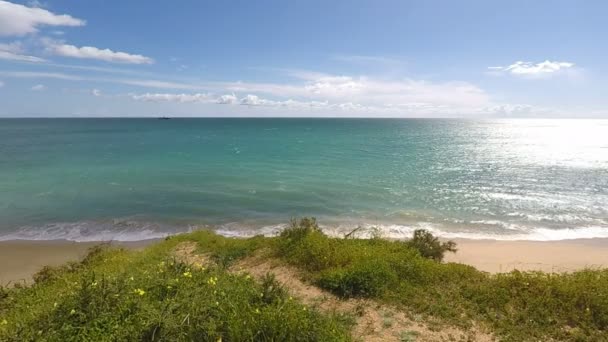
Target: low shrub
[429,246]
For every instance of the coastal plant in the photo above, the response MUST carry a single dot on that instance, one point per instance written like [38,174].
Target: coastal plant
[430,246]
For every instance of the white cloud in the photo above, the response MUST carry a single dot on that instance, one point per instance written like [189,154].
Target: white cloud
[227,99]
[14,52]
[11,56]
[156,84]
[39,87]
[90,52]
[96,92]
[33,74]
[367,91]
[18,20]
[183,98]
[531,69]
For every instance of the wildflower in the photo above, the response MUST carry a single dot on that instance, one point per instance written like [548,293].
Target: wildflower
[72,312]
[219,339]
[169,287]
[188,274]
[248,277]
[55,304]
[290,298]
[217,303]
[4,322]
[131,278]
[257,310]
[140,292]
[94,284]
[212,281]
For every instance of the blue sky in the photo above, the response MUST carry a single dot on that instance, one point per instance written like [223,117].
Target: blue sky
[304,58]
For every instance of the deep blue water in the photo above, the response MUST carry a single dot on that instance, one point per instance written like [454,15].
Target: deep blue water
[88,179]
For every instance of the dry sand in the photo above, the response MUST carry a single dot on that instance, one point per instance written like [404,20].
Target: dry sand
[19,260]
[549,256]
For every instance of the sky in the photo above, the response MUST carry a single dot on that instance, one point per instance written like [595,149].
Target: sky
[339,58]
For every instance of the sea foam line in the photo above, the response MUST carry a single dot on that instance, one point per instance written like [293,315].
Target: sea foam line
[133,231]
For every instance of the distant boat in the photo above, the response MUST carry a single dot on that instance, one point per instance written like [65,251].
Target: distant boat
[163,118]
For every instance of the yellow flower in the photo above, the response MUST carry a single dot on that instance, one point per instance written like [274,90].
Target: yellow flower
[257,311]
[187,274]
[94,284]
[131,278]
[248,277]
[219,339]
[169,287]
[140,292]
[4,322]
[72,312]
[217,303]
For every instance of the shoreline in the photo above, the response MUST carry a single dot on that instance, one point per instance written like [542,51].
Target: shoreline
[20,259]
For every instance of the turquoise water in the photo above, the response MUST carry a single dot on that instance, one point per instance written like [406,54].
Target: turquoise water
[129,179]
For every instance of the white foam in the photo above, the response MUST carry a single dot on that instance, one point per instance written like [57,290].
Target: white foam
[121,230]
[90,231]
[395,231]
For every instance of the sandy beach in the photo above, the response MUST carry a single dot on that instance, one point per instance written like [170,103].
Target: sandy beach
[548,256]
[19,260]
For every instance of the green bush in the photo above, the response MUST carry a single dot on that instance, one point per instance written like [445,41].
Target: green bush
[429,246]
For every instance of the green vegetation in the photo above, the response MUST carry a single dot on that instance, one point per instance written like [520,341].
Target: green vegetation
[120,295]
[116,294]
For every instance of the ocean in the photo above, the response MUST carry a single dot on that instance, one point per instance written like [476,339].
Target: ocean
[133,179]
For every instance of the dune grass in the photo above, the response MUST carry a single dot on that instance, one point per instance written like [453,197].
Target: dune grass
[120,295]
[116,294]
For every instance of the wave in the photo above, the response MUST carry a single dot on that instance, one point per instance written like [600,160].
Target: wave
[86,231]
[138,231]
